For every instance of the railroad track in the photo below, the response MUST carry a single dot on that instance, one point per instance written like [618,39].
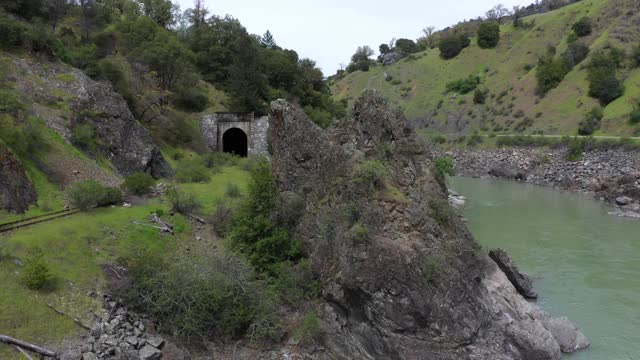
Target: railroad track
[13,225]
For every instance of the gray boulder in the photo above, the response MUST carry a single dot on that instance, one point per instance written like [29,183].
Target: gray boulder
[566,334]
[392,57]
[520,281]
[623,200]
[149,352]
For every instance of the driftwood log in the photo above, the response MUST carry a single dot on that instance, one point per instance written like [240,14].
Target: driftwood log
[27,346]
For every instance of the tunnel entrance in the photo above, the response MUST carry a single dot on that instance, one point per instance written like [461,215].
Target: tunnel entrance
[234,141]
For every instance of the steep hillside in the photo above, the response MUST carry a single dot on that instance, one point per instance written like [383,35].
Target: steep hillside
[418,82]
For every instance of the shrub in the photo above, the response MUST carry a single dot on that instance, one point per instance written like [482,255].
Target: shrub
[488,35]
[550,73]
[575,54]
[576,148]
[604,84]
[475,139]
[232,191]
[138,183]
[439,139]
[84,137]
[582,27]
[36,274]
[634,117]
[26,138]
[221,219]
[635,56]
[319,116]
[591,123]
[451,45]
[406,46]
[441,211]
[203,295]
[309,330]
[192,171]
[370,175]
[464,86]
[479,96]
[444,166]
[190,98]
[359,233]
[295,282]
[431,267]
[88,194]
[183,202]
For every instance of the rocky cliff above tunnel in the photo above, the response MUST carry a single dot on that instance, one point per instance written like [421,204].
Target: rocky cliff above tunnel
[402,276]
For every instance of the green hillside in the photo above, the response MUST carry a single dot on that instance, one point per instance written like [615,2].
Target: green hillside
[508,73]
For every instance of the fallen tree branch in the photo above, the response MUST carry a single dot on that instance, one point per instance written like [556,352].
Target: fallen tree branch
[75,320]
[27,346]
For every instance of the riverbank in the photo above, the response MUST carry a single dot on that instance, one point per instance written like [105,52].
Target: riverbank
[610,175]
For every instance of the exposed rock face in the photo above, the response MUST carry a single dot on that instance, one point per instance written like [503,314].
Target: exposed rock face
[78,99]
[521,281]
[16,190]
[417,287]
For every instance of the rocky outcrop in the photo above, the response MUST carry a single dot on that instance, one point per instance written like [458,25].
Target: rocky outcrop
[415,286]
[65,98]
[611,175]
[520,280]
[16,190]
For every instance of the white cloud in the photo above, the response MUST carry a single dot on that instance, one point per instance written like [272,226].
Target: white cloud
[329,31]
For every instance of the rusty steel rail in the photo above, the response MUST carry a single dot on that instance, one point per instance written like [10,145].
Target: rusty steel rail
[12,225]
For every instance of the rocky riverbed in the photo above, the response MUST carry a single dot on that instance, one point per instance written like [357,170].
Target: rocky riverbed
[611,175]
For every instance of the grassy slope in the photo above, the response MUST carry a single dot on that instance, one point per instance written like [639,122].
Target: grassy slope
[503,69]
[75,247]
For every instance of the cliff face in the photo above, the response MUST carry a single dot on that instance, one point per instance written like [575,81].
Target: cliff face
[402,276]
[66,98]
[16,190]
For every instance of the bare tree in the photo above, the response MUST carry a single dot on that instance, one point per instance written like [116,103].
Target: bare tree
[392,43]
[428,31]
[497,13]
[198,14]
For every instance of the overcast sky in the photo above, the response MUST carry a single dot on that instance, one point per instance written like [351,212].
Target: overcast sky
[329,31]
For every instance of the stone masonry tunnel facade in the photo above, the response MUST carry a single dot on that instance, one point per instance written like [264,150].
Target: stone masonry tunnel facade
[239,133]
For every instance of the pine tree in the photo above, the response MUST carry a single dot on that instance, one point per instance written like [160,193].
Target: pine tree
[268,41]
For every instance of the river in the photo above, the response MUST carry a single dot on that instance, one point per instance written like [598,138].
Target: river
[585,263]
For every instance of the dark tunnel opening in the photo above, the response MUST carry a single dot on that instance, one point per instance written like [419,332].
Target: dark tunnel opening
[234,141]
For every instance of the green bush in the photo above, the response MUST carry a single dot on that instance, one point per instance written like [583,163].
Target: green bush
[295,282]
[576,148]
[203,295]
[441,211]
[232,191]
[88,194]
[309,330]
[591,123]
[36,274]
[635,56]
[582,27]
[431,267]
[183,202]
[192,171]
[634,117]
[190,98]
[479,96]
[359,233]
[451,45]
[464,86]
[320,117]
[488,35]
[84,137]
[575,54]
[550,74]
[221,219]
[139,183]
[369,175]
[24,137]
[604,84]
[444,166]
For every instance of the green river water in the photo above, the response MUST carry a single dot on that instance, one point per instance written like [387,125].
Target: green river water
[585,263]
